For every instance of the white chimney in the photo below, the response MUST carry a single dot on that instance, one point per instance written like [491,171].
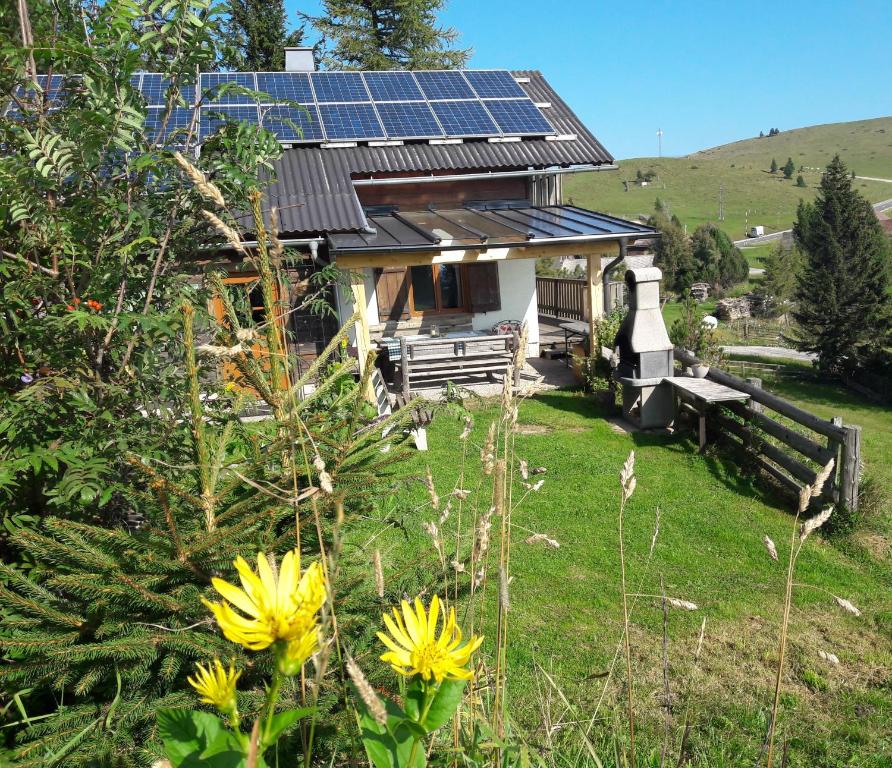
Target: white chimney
[299,60]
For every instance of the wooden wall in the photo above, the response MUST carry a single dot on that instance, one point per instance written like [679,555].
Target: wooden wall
[418,196]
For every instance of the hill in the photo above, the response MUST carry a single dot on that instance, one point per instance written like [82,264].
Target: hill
[738,172]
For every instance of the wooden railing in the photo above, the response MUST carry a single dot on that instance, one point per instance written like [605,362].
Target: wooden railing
[789,454]
[564,298]
[561,297]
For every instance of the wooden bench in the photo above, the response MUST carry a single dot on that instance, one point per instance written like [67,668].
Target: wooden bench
[447,357]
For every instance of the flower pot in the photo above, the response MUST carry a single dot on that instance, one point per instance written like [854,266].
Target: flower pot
[699,371]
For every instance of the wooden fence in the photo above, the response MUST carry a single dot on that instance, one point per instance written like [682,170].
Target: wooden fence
[564,298]
[787,453]
[561,297]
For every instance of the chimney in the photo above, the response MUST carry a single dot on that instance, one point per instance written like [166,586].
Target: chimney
[299,59]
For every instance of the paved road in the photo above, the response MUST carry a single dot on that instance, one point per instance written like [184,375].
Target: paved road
[883,205]
[777,353]
[874,178]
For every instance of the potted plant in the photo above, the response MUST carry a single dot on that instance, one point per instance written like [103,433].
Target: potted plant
[691,333]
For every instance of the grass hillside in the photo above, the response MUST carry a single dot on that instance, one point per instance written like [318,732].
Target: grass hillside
[691,185]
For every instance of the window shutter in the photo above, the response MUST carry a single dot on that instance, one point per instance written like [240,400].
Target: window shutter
[483,287]
[392,292]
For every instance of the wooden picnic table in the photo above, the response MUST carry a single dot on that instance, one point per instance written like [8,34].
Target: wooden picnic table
[576,330]
[704,393]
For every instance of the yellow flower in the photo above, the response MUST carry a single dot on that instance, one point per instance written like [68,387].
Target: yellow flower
[293,656]
[272,608]
[216,685]
[415,648]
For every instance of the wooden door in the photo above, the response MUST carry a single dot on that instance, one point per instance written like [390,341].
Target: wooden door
[247,298]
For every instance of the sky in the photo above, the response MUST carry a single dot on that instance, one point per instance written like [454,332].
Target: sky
[706,73]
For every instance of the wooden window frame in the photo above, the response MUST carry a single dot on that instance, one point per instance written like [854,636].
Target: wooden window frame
[438,297]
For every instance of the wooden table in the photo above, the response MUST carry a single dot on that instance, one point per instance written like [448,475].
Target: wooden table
[573,329]
[704,392]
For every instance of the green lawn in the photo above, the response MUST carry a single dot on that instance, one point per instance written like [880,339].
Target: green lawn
[691,185]
[565,603]
[756,254]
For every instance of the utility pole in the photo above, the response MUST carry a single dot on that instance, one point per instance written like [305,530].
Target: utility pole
[660,140]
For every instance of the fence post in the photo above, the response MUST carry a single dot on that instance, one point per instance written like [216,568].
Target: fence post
[850,476]
[752,407]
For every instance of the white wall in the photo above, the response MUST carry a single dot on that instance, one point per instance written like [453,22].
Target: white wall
[517,284]
[345,303]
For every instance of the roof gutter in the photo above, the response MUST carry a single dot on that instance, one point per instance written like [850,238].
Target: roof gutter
[432,179]
[312,243]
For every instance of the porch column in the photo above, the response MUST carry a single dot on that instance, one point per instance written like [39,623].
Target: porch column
[595,296]
[361,329]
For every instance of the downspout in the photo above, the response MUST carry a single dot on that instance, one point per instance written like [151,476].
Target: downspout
[606,272]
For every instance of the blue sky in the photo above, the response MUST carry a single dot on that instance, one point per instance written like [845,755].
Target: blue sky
[706,73]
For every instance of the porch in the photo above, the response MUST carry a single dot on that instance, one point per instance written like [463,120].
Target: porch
[460,273]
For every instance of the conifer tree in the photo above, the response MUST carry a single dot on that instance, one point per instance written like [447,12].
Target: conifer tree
[257,35]
[789,168]
[773,168]
[844,310]
[384,34]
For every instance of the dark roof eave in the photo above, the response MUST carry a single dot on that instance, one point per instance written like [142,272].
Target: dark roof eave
[540,241]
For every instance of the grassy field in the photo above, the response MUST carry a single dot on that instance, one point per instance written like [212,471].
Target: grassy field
[565,614]
[691,185]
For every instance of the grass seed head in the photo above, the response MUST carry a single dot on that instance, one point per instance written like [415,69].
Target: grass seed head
[549,542]
[686,605]
[769,545]
[379,574]
[374,705]
[830,658]
[846,606]
[822,478]
[209,190]
[813,523]
[228,232]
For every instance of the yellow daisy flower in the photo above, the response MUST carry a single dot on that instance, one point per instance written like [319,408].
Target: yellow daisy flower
[415,648]
[216,685]
[272,608]
[293,656]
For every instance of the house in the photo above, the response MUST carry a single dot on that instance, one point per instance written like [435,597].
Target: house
[441,233]
[434,191]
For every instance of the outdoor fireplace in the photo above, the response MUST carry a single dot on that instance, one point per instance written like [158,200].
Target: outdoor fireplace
[645,353]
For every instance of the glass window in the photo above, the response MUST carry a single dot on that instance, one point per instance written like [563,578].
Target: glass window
[424,298]
[450,287]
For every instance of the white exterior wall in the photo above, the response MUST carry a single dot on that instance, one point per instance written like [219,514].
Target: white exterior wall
[517,285]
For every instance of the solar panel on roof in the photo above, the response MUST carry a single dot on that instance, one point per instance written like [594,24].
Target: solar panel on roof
[445,84]
[339,87]
[351,121]
[393,86]
[154,88]
[464,118]
[213,91]
[293,124]
[176,127]
[518,116]
[213,118]
[285,86]
[408,120]
[494,84]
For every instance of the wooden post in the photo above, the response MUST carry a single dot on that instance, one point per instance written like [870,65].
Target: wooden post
[850,475]
[751,407]
[363,339]
[404,368]
[701,417]
[595,305]
[831,488]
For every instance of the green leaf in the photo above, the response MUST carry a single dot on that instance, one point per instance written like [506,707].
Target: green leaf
[195,739]
[445,702]
[285,720]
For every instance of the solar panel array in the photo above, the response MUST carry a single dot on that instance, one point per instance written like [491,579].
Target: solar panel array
[317,107]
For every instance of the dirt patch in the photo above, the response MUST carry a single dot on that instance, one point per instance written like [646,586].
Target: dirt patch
[533,429]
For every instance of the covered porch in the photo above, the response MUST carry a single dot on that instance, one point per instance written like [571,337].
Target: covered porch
[465,276]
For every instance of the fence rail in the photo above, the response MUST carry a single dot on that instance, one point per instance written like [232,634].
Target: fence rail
[564,298]
[778,447]
[561,297]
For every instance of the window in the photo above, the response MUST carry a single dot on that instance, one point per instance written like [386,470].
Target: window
[436,289]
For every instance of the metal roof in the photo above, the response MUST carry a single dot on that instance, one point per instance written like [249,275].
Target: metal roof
[474,227]
[313,188]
